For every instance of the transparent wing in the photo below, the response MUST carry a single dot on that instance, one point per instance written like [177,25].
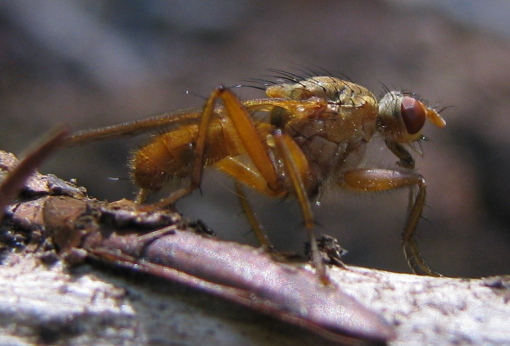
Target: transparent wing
[136,127]
[159,122]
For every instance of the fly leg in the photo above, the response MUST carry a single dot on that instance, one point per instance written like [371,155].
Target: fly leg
[367,180]
[198,162]
[249,140]
[265,178]
[296,168]
[260,232]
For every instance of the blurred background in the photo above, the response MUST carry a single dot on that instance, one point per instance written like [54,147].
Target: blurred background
[94,63]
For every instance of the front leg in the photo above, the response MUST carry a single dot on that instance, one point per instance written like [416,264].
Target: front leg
[406,160]
[368,180]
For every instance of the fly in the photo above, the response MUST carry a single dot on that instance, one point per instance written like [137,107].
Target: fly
[312,135]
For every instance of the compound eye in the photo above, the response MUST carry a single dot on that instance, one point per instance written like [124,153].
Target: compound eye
[413,113]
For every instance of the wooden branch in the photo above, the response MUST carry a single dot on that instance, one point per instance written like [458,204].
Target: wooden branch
[43,300]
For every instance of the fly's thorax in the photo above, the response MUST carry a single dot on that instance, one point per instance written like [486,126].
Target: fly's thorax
[345,120]
[328,142]
[335,109]
[332,89]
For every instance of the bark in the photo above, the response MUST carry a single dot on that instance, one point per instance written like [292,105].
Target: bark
[45,300]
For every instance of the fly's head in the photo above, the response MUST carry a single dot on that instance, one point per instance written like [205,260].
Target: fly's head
[402,117]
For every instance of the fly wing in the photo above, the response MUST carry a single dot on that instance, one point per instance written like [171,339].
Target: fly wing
[137,127]
[159,122]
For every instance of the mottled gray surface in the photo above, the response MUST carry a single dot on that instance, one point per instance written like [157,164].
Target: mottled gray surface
[40,304]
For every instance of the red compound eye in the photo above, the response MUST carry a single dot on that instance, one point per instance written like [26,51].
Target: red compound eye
[413,113]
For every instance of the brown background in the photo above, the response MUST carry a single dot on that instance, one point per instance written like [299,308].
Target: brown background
[94,63]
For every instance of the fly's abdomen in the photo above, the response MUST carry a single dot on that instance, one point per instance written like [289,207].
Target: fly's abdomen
[169,157]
